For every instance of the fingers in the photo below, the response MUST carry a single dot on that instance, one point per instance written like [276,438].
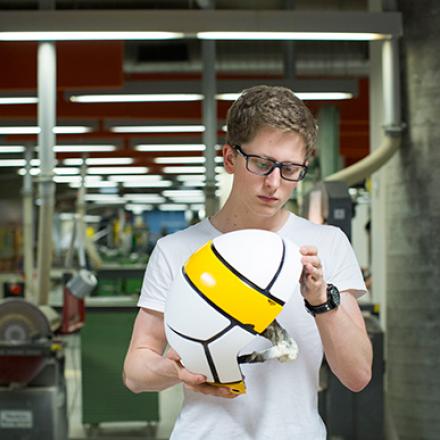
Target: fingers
[308,250]
[189,378]
[197,382]
[172,354]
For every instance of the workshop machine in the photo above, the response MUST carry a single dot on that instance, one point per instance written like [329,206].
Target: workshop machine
[32,385]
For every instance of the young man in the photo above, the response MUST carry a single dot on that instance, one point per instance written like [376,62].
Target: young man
[270,136]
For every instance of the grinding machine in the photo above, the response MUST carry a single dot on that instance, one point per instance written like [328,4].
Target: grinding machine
[32,385]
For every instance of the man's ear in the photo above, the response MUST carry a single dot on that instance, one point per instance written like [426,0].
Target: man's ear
[229,156]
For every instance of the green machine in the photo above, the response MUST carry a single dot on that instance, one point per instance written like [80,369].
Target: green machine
[104,342]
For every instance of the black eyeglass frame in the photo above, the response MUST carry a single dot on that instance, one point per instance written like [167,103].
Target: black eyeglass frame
[275,164]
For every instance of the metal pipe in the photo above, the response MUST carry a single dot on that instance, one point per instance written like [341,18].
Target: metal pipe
[46,142]
[392,123]
[28,227]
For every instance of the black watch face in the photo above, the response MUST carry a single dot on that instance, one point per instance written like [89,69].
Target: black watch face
[334,295]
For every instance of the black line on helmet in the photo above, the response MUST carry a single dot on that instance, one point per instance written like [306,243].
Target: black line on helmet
[248,327]
[269,286]
[203,341]
[205,344]
[264,292]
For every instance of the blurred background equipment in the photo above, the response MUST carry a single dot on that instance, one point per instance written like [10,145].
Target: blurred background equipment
[32,385]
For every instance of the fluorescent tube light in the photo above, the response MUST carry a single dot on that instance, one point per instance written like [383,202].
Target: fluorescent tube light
[12,100]
[188,170]
[169,147]
[18,162]
[179,160]
[135,178]
[191,177]
[137,97]
[11,149]
[94,184]
[157,129]
[72,216]
[148,184]
[306,96]
[103,197]
[82,35]
[100,161]
[183,170]
[73,129]
[147,198]
[184,160]
[83,148]
[173,207]
[117,170]
[57,170]
[76,179]
[315,36]
[12,162]
[182,192]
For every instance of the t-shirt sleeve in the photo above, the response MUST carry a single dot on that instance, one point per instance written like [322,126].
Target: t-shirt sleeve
[345,272]
[157,279]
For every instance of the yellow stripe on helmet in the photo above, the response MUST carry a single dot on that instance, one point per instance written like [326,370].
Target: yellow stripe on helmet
[228,291]
[234,387]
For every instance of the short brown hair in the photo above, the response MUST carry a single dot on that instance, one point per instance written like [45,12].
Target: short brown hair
[271,106]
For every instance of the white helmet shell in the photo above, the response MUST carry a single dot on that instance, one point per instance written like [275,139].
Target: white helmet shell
[228,292]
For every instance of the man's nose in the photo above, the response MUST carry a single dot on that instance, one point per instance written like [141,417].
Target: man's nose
[273,179]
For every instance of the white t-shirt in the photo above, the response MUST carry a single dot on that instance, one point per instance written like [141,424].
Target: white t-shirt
[281,398]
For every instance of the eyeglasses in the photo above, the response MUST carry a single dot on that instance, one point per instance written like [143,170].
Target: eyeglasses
[263,166]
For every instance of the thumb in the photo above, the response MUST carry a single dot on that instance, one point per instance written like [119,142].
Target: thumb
[173,355]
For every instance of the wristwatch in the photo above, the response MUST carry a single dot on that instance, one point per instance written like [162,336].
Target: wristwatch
[333,301]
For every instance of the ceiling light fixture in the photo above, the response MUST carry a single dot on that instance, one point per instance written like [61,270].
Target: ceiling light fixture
[12,100]
[306,96]
[81,35]
[295,36]
[169,147]
[117,170]
[157,129]
[11,149]
[136,178]
[73,129]
[100,161]
[148,184]
[84,148]
[184,160]
[137,97]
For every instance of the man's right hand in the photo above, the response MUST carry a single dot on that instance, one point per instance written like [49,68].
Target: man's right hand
[197,382]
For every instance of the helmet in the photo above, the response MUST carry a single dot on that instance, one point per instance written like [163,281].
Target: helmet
[228,292]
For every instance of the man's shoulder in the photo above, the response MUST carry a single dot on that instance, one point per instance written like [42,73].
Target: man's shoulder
[300,223]
[304,232]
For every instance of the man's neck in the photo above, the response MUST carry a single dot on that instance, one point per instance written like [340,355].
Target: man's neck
[230,219]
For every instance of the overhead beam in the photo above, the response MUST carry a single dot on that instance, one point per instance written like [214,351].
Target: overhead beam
[190,22]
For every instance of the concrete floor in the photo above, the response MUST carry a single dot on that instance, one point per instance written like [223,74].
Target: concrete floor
[169,404]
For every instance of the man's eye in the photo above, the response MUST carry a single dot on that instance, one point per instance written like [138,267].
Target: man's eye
[263,164]
[291,170]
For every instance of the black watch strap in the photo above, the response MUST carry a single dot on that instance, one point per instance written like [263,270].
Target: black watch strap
[333,301]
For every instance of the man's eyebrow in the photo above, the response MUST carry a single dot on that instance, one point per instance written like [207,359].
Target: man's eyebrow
[284,162]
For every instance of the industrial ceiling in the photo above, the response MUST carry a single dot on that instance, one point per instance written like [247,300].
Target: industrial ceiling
[119,66]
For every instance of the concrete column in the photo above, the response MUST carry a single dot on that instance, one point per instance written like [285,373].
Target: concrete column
[328,141]
[412,231]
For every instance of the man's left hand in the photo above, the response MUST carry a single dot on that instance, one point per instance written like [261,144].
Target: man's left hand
[313,285]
